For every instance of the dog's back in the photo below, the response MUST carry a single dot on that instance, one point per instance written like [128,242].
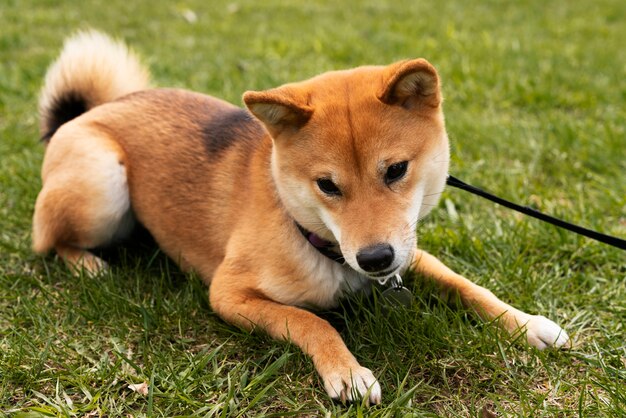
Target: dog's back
[133,170]
[203,147]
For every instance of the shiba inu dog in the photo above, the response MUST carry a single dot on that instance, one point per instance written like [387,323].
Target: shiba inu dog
[311,192]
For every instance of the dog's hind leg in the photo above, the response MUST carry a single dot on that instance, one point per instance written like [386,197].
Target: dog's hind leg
[84,202]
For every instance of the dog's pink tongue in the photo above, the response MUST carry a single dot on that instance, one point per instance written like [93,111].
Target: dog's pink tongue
[318,241]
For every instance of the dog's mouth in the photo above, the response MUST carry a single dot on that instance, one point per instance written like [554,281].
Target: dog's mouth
[383,276]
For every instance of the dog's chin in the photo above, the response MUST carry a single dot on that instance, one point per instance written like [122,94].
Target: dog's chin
[383,276]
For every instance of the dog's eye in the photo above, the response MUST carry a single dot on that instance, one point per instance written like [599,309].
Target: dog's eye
[328,187]
[395,172]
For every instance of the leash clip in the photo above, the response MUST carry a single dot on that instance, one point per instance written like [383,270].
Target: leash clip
[396,282]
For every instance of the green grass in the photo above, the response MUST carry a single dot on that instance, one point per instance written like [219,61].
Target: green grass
[535,107]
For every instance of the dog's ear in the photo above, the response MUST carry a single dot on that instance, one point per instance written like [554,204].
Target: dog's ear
[413,84]
[278,109]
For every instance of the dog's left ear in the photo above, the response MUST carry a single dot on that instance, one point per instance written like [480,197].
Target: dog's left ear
[278,109]
[413,84]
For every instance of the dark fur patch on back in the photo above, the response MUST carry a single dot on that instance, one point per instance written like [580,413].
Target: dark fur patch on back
[226,128]
[63,109]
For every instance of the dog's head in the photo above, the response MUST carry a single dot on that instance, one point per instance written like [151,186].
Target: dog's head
[359,157]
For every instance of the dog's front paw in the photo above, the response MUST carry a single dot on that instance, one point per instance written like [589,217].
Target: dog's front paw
[349,384]
[543,333]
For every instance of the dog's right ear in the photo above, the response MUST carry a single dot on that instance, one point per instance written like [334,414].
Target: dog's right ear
[412,84]
[277,109]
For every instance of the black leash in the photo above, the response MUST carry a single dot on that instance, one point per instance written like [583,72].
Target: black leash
[607,239]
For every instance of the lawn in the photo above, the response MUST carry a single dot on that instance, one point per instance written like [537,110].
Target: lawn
[536,111]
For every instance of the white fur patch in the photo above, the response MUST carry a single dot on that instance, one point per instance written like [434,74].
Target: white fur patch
[543,333]
[330,224]
[353,383]
[416,208]
[113,217]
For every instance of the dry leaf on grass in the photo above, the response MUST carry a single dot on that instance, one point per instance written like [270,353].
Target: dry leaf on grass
[486,412]
[140,388]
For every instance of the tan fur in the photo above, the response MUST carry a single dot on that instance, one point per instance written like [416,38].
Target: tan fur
[221,193]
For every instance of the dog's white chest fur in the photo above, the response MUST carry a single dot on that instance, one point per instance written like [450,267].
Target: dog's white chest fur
[321,283]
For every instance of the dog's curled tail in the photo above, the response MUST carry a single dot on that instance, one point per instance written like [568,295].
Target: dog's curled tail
[92,69]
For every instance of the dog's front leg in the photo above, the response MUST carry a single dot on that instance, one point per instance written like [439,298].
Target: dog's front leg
[237,301]
[540,331]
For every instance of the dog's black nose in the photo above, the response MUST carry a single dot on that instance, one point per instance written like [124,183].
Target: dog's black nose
[375,257]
